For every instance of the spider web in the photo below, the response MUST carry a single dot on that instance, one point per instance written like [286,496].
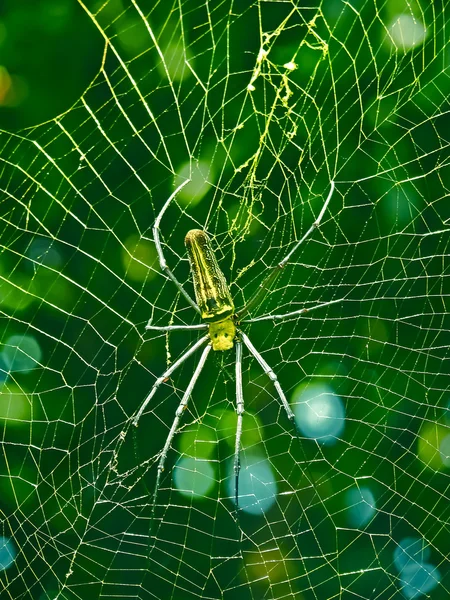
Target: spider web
[261,105]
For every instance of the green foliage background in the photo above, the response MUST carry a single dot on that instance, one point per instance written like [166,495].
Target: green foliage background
[95,129]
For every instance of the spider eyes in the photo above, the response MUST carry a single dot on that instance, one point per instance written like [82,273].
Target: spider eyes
[224,335]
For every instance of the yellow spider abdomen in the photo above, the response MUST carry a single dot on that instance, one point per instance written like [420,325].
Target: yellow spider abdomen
[210,286]
[211,290]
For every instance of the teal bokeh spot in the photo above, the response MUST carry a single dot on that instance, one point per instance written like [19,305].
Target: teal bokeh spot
[319,412]
[361,506]
[418,580]
[44,252]
[4,370]
[417,576]
[411,550]
[257,486]
[21,353]
[7,553]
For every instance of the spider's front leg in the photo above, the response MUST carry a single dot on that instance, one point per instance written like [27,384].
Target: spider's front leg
[162,261]
[269,280]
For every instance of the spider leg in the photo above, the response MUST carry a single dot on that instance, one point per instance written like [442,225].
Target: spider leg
[167,373]
[268,371]
[162,261]
[178,414]
[240,412]
[314,226]
[176,327]
[268,281]
[301,311]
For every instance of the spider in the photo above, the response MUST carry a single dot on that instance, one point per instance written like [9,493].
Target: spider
[216,308]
